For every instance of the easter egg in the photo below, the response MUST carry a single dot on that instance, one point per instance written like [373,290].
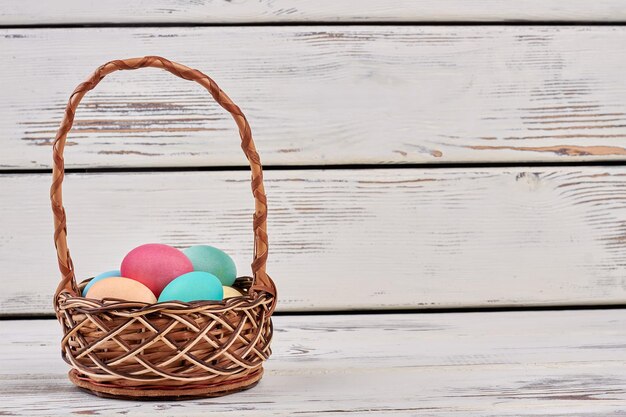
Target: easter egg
[230,292]
[194,286]
[155,265]
[123,288]
[214,261]
[108,274]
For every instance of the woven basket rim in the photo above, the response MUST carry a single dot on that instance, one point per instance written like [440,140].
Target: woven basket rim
[91,306]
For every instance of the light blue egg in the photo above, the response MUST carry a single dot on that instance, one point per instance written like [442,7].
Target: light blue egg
[108,274]
[193,286]
[214,261]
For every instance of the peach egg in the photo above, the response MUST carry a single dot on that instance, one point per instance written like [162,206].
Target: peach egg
[123,288]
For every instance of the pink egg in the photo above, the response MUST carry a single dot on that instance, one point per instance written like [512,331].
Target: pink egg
[155,265]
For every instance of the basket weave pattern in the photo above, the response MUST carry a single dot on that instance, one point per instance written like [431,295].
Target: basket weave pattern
[173,349]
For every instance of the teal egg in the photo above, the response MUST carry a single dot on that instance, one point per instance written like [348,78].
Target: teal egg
[193,286]
[214,261]
[108,274]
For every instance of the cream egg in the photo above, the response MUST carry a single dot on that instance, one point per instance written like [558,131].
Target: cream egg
[230,292]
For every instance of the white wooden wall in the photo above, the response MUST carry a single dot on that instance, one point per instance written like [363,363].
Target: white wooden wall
[320,95]
[23,12]
[415,159]
[420,166]
[345,239]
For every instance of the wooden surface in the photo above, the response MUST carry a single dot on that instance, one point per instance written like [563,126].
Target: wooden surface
[24,12]
[343,239]
[328,93]
[550,363]
[319,95]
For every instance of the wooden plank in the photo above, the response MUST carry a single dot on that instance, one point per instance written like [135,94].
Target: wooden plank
[29,12]
[552,363]
[343,239]
[321,95]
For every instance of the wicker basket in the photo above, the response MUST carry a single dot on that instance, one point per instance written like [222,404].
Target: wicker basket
[168,350]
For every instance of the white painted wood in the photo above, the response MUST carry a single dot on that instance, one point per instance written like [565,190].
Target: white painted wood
[24,12]
[551,363]
[342,239]
[321,95]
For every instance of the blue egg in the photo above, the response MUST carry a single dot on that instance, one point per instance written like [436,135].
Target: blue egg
[193,286]
[108,274]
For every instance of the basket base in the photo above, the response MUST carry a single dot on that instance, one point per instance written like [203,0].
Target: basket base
[161,393]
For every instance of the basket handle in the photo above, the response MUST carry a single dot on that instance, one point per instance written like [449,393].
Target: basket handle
[261,281]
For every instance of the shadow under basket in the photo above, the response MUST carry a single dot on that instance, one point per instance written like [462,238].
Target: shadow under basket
[169,350]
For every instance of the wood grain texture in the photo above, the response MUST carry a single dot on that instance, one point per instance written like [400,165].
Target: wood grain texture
[321,95]
[342,239]
[553,363]
[25,12]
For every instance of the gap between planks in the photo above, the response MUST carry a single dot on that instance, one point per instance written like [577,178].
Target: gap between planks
[361,312]
[443,165]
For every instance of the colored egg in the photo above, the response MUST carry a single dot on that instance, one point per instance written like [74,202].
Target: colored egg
[123,288]
[155,265]
[194,286]
[230,292]
[214,261]
[108,274]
